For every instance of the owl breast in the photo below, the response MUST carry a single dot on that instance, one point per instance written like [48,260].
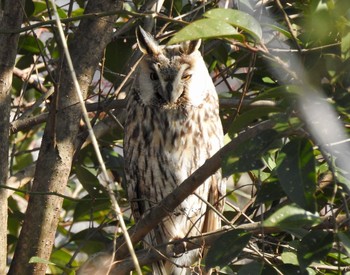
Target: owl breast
[164,147]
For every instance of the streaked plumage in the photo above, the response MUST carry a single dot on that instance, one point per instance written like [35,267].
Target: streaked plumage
[172,127]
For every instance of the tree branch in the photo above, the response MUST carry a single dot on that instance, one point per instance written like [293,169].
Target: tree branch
[23,124]
[170,202]
[11,17]
[59,141]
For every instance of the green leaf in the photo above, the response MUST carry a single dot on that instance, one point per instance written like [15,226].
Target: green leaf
[269,191]
[22,161]
[238,19]
[345,240]
[120,50]
[345,46]
[289,257]
[39,260]
[226,248]
[281,30]
[41,10]
[60,258]
[81,3]
[29,7]
[28,43]
[112,160]
[90,182]
[205,28]
[94,240]
[88,209]
[288,92]
[77,12]
[246,118]
[314,247]
[248,156]
[255,268]
[290,269]
[291,216]
[297,174]
[39,7]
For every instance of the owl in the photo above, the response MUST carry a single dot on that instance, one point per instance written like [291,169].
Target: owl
[172,128]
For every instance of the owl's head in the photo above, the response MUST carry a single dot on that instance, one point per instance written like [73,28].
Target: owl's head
[171,76]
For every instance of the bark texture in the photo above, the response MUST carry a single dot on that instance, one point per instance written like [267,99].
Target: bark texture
[60,141]
[11,19]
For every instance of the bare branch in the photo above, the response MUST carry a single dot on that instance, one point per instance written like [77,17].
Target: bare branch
[11,17]
[59,142]
[24,124]
[169,203]
[30,79]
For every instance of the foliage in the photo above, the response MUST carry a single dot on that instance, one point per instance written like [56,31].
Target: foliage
[265,59]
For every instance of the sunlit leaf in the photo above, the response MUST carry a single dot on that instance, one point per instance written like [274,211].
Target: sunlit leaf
[238,19]
[60,258]
[345,46]
[289,257]
[39,7]
[78,12]
[205,28]
[291,216]
[39,260]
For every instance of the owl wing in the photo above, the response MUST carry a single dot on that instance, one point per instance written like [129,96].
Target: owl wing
[216,197]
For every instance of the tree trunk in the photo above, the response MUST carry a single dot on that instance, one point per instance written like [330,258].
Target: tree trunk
[11,19]
[60,141]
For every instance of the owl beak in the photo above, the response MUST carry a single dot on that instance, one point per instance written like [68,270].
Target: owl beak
[169,87]
[168,93]
[172,93]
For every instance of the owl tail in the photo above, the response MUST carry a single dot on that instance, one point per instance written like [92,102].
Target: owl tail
[163,267]
[158,267]
[174,266]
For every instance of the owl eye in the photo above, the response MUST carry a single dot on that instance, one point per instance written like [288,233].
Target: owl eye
[186,76]
[153,76]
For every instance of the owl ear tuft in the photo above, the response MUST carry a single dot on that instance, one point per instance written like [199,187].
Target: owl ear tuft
[189,47]
[147,44]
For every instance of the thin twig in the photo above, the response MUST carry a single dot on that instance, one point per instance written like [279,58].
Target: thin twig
[289,25]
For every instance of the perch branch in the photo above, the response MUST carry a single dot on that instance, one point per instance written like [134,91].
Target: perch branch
[169,203]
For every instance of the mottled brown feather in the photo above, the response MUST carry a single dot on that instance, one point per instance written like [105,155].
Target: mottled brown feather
[172,127]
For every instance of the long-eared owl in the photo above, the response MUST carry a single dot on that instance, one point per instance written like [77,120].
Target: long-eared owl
[172,128]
